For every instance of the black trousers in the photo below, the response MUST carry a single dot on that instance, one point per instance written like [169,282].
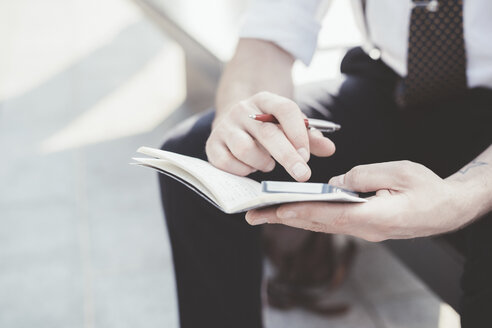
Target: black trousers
[217,257]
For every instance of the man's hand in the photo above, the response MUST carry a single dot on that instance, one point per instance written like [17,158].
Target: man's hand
[410,201]
[241,145]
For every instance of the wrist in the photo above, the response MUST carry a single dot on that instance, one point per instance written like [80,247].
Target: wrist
[471,196]
[256,66]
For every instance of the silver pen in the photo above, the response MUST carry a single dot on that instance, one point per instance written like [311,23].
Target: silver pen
[311,123]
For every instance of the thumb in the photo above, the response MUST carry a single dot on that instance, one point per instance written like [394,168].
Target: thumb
[371,177]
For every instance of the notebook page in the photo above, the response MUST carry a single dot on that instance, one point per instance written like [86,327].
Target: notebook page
[230,190]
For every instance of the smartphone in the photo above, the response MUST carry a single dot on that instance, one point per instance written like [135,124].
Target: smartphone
[302,188]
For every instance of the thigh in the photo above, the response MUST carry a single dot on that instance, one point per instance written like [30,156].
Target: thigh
[216,256]
[450,135]
[371,127]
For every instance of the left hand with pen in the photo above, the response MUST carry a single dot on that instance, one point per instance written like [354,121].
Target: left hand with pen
[410,201]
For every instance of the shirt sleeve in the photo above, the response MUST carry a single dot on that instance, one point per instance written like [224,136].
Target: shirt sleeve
[291,24]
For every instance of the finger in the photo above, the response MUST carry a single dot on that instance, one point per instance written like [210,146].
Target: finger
[261,216]
[268,215]
[314,216]
[220,156]
[360,220]
[245,149]
[319,144]
[275,142]
[373,177]
[290,117]
[327,217]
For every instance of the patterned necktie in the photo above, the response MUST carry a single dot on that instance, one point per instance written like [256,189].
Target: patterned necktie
[436,63]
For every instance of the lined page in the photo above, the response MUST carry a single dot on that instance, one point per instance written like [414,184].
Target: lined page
[230,190]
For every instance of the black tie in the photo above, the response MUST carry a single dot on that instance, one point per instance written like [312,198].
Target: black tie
[436,63]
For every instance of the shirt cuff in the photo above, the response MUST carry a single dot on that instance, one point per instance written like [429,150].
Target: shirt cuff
[286,24]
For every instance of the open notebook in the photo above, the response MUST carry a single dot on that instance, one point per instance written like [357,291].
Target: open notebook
[230,193]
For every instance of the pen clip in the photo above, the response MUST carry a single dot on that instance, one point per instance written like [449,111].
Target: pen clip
[323,130]
[323,126]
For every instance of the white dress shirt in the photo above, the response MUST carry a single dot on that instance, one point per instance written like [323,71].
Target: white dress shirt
[294,25]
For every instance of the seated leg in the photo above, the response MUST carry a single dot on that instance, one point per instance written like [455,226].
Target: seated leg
[216,256]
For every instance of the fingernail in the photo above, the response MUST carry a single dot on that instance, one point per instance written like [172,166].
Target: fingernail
[259,221]
[338,180]
[287,215]
[304,153]
[300,170]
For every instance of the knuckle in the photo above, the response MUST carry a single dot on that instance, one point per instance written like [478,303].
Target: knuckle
[219,133]
[268,130]
[287,108]
[355,174]
[300,139]
[263,94]
[407,170]
[406,165]
[214,134]
[208,151]
[406,162]
[268,164]
[210,148]
[242,149]
[415,167]
[242,105]
[286,105]
[219,160]
[209,142]
[240,152]
[285,159]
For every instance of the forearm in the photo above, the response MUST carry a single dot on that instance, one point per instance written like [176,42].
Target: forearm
[256,66]
[474,185]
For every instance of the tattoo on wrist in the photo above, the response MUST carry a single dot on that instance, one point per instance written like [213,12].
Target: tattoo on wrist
[472,165]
